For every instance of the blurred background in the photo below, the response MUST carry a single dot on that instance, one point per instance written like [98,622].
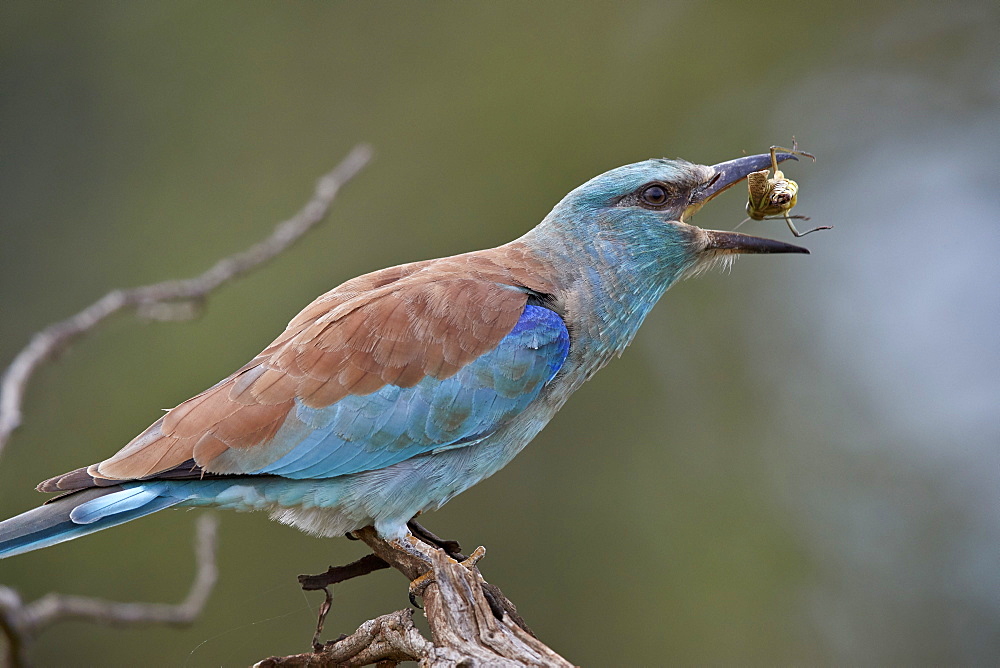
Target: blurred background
[797,462]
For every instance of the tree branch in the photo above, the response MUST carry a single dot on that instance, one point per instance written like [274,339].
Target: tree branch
[21,623]
[467,629]
[160,300]
[391,637]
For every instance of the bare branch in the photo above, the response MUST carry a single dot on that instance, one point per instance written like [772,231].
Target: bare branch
[160,300]
[53,608]
[391,637]
[17,646]
[335,574]
[22,623]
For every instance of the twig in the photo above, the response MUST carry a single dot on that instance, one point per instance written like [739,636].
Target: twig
[155,300]
[21,623]
[335,574]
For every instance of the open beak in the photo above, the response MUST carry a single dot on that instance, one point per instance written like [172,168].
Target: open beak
[727,174]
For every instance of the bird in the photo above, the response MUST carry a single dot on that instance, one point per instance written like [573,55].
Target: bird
[399,389]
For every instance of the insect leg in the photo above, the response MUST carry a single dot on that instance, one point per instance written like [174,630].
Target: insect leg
[793,151]
[788,219]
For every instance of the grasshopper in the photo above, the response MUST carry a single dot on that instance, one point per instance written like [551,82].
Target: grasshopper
[771,198]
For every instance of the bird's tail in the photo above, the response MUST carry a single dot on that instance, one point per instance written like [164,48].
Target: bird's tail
[79,514]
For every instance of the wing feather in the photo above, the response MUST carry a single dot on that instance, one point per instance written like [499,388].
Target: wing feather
[400,328]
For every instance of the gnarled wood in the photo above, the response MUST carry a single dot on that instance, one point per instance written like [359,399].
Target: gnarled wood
[467,627]
[389,638]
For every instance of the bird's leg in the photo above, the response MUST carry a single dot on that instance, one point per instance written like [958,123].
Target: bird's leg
[788,219]
[414,547]
[450,547]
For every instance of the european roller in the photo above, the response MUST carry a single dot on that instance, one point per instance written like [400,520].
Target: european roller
[399,389]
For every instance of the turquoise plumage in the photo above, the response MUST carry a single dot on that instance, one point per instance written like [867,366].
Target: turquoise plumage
[362,433]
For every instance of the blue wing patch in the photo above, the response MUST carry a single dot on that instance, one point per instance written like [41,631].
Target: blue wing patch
[363,433]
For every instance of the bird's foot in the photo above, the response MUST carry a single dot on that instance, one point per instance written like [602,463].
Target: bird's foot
[421,551]
[420,584]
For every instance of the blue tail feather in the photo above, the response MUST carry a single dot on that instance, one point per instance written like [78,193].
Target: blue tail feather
[54,522]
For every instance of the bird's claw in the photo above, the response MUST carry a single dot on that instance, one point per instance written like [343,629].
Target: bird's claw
[419,584]
[474,558]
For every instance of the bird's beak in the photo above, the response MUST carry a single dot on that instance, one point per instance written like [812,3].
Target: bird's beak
[726,174]
[734,242]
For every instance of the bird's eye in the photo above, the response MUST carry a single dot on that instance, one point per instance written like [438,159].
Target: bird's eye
[654,195]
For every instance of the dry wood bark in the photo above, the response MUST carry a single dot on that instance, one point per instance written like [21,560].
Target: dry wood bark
[466,629]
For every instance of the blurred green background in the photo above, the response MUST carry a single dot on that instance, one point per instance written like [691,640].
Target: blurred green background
[795,463]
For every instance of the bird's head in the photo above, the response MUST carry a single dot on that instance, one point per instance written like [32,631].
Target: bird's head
[636,216]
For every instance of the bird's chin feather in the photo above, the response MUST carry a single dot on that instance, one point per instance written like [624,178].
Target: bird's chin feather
[708,261]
